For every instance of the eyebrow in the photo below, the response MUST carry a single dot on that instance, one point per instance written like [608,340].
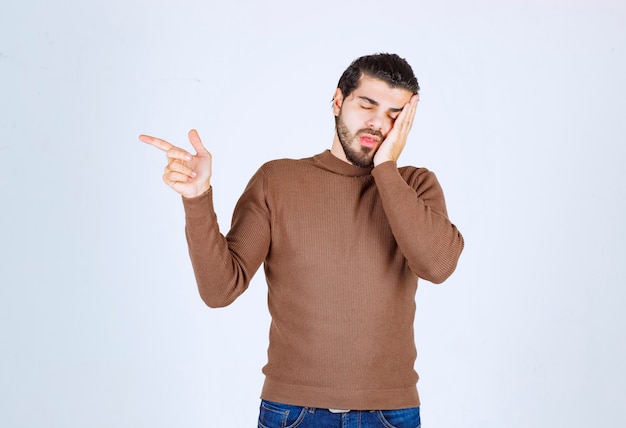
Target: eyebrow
[376,103]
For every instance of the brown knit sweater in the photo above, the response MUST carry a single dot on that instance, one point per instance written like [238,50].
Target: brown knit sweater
[342,248]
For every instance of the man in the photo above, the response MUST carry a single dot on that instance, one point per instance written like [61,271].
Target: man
[344,237]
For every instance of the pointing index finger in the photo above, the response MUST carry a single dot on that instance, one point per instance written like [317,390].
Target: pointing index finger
[156,142]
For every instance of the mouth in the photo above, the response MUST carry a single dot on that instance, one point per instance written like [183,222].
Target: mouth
[368,140]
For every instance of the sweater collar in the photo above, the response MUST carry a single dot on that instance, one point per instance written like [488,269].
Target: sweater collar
[330,162]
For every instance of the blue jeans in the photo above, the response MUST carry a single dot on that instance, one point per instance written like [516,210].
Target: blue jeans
[277,415]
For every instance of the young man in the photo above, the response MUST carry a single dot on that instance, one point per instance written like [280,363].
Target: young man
[344,237]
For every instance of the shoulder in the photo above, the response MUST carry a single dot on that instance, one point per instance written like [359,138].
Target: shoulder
[285,166]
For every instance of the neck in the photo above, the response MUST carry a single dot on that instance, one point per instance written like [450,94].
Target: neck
[337,149]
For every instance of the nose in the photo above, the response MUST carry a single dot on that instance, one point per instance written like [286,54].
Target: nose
[375,122]
[379,120]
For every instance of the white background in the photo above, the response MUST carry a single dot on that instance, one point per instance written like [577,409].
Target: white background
[521,117]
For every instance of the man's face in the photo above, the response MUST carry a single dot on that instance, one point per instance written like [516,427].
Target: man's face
[364,118]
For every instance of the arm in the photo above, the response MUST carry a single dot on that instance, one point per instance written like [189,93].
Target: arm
[224,265]
[416,212]
[415,206]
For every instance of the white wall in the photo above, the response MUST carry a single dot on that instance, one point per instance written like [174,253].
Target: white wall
[521,117]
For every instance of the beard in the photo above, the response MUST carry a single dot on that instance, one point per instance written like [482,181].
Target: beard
[356,154]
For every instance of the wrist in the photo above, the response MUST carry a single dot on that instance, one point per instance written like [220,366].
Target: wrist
[380,158]
[200,192]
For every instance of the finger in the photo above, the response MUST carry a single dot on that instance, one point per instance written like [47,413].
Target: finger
[177,166]
[409,112]
[412,105]
[411,116]
[171,178]
[403,120]
[196,142]
[178,154]
[414,102]
[156,142]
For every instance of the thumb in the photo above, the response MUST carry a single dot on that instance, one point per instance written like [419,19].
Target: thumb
[196,142]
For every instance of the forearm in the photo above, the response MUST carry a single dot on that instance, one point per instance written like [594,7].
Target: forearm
[417,216]
[221,272]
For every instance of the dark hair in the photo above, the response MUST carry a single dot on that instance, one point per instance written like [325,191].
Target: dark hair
[390,68]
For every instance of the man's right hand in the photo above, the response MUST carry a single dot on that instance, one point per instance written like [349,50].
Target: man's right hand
[187,174]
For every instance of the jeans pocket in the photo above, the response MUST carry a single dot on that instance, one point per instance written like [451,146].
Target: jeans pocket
[402,418]
[278,415]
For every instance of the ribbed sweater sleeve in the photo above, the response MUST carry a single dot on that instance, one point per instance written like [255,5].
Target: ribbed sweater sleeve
[224,265]
[414,204]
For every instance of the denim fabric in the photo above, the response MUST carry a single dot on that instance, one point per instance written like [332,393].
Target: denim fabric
[277,415]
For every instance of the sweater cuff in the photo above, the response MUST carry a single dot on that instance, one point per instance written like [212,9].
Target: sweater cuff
[199,206]
[386,171]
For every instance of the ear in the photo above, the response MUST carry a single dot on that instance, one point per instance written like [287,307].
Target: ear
[337,101]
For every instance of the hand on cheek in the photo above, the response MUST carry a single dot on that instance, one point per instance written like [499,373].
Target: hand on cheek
[392,146]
